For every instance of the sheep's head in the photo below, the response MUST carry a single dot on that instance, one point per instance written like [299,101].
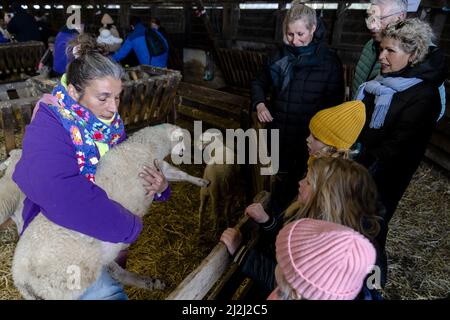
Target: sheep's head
[178,138]
[207,138]
[14,157]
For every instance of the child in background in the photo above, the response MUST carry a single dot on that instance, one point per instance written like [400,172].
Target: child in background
[46,63]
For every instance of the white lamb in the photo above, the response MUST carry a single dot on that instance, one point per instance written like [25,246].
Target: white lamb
[11,198]
[223,177]
[52,262]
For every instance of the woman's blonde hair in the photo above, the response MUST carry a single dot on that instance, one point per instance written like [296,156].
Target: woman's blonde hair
[332,152]
[414,36]
[286,292]
[299,11]
[342,191]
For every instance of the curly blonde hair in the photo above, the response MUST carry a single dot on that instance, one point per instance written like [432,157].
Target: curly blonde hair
[414,36]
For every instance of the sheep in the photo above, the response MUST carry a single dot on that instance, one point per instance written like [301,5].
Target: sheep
[52,262]
[11,198]
[223,177]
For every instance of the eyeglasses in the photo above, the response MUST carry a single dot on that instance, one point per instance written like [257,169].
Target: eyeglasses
[376,20]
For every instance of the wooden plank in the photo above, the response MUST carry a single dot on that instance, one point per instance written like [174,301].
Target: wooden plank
[7,118]
[215,121]
[197,284]
[212,109]
[237,66]
[440,141]
[125,101]
[228,68]
[170,93]
[136,102]
[156,99]
[231,69]
[210,96]
[438,156]
[200,281]
[164,105]
[26,112]
[146,100]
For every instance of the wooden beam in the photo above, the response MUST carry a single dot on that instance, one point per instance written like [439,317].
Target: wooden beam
[187,22]
[230,22]
[197,284]
[210,96]
[281,13]
[124,18]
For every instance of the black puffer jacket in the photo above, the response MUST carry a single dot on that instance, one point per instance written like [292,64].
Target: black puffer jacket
[311,89]
[393,152]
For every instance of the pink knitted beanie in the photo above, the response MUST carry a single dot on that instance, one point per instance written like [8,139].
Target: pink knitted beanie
[323,260]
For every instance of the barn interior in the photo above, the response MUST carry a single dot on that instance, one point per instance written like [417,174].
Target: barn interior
[216,49]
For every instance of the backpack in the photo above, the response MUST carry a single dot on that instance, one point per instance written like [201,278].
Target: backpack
[155,43]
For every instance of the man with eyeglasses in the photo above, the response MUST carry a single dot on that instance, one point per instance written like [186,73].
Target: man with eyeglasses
[379,15]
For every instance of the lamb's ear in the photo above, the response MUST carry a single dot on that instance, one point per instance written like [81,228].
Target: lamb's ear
[176,134]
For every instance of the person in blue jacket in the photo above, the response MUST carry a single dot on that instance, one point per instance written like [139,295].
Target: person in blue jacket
[136,41]
[64,36]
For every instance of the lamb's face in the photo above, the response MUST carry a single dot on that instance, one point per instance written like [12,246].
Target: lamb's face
[177,138]
[206,138]
[14,157]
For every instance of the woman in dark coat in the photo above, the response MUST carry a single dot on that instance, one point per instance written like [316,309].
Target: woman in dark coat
[402,107]
[305,76]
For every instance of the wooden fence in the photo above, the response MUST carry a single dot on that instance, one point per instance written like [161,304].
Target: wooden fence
[214,108]
[19,58]
[240,67]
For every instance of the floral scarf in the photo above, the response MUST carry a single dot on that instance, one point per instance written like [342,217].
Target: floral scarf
[85,129]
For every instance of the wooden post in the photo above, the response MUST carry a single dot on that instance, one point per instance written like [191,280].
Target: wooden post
[281,13]
[124,16]
[230,20]
[338,24]
[187,22]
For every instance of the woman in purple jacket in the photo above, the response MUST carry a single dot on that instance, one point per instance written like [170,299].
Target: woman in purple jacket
[69,133]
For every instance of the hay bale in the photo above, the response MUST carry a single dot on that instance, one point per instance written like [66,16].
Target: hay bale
[418,244]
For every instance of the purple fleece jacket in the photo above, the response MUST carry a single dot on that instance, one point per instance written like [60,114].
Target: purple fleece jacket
[48,174]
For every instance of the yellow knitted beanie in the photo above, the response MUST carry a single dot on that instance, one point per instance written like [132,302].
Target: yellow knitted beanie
[339,126]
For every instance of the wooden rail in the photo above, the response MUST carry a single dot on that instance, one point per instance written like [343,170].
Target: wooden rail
[19,57]
[240,67]
[214,108]
[200,281]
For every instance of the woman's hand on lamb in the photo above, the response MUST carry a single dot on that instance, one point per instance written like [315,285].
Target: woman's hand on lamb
[155,180]
[263,113]
[257,213]
[232,239]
